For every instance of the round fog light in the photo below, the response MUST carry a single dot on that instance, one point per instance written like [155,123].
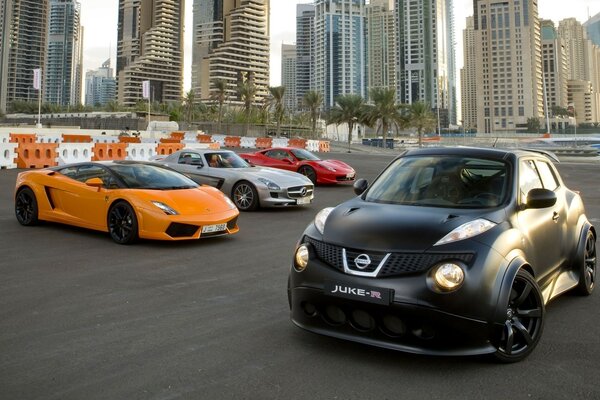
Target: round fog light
[449,276]
[301,258]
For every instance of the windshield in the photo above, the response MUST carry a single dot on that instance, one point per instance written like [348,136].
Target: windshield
[225,159]
[144,176]
[442,181]
[302,155]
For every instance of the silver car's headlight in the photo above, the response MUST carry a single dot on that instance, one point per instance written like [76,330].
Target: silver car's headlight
[321,218]
[270,184]
[466,231]
[167,210]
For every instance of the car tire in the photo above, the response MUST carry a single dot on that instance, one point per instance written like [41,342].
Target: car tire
[524,322]
[26,207]
[122,223]
[245,196]
[309,172]
[587,266]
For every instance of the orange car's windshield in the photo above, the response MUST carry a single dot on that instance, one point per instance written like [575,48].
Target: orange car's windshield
[144,176]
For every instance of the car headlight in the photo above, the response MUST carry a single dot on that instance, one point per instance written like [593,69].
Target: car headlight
[301,258]
[448,276]
[321,218]
[466,231]
[270,184]
[166,209]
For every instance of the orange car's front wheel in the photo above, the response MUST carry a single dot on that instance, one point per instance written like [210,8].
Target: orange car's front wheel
[122,223]
[26,208]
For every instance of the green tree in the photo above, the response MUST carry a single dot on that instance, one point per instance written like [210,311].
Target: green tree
[247,91]
[189,106]
[422,118]
[533,124]
[219,94]
[277,93]
[348,109]
[313,101]
[384,111]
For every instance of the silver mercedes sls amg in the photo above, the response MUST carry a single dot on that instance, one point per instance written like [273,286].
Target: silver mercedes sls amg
[248,186]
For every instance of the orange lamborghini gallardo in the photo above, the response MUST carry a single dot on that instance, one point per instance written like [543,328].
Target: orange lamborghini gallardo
[127,199]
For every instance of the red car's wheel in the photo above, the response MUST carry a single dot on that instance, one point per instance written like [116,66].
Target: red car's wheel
[309,172]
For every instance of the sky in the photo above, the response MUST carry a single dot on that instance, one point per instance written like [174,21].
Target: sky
[99,19]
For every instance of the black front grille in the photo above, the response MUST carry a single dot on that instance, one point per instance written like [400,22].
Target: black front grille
[231,224]
[181,230]
[396,264]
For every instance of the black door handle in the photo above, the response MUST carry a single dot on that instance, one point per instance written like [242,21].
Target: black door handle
[555,216]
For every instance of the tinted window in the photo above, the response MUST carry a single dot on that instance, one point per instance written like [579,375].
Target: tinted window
[225,159]
[442,181]
[302,154]
[144,176]
[278,154]
[190,158]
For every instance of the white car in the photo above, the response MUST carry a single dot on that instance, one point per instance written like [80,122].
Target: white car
[248,186]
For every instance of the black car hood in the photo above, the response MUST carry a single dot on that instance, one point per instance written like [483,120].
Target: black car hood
[357,224]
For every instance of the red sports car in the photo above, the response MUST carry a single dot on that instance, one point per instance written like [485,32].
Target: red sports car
[304,162]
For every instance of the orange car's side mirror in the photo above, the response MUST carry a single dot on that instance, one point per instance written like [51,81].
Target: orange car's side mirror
[94,182]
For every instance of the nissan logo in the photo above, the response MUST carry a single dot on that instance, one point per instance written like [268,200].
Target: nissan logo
[303,191]
[362,261]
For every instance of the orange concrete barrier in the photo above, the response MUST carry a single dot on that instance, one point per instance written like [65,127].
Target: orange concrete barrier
[129,139]
[300,143]
[204,138]
[178,135]
[170,140]
[37,155]
[264,143]
[164,149]
[109,151]
[214,146]
[324,147]
[233,141]
[76,138]
[22,138]
[432,139]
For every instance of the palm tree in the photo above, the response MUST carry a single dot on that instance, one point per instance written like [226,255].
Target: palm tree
[247,91]
[384,111]
[277,93]
[348,109]
[188,105]
[422,118]
[313,100]
[219,94]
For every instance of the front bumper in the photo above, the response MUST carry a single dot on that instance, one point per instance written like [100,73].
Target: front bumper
[292,196]
[159,226]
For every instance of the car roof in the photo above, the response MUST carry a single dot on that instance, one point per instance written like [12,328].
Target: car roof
[494,153]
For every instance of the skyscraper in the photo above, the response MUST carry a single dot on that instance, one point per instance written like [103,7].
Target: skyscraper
[288,76]
[340,50]
[150,47]
[592,27]
[24,26]
[231,43]
[64,62]
[305,50]
[426,55]
[100,86]
[381,44]
[509,64]
[468,77]
[554,65]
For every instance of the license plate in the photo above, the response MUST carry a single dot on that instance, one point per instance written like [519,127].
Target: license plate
[303,200]
[367,294]
[214,228]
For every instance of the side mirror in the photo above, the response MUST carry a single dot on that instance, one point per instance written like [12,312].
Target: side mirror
[360,186]
[540,198]
[94,182]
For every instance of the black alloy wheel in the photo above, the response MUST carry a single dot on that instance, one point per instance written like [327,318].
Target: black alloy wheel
[524,320]
[26,208]
[245,196]
[587,272]
[309,172]
[122,223]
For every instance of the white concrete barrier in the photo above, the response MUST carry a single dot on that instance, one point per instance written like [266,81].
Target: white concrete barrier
[197,146]
[105,139]
[74,152]
[312,145]
[248,142]
[49,138]
[141,151]
[219,139]
[149,140]
[4,137]
[8,155]
[280,142]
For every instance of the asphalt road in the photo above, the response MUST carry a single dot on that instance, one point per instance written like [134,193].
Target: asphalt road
[84,318]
